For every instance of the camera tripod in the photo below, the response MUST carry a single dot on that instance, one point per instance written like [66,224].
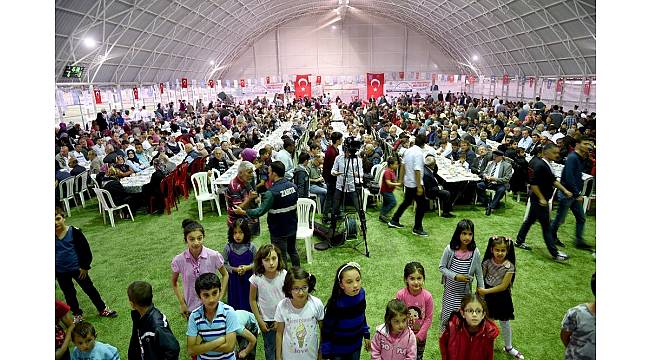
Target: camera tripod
[352,162]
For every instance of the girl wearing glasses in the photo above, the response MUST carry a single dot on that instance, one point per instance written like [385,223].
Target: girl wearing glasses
[499,272]
[298,318]
[469,334]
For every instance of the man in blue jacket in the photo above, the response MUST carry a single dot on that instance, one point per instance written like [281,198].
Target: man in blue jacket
[280,201]
[572,180]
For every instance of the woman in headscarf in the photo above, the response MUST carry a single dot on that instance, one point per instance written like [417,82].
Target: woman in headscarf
[152,191]
[133,162]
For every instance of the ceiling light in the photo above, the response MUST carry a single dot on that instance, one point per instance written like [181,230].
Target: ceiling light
[211,62]
[475,57]
[89,42]
[334,27]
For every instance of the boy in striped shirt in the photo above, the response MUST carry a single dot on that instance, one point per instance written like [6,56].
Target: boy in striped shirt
[212,327]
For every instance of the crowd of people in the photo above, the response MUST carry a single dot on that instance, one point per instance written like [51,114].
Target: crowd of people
[266,296]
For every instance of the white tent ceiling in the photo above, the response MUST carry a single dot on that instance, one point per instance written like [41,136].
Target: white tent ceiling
[144,41]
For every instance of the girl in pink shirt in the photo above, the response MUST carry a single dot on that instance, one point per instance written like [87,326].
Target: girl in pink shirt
[194,261]
[393,339]
[419,302]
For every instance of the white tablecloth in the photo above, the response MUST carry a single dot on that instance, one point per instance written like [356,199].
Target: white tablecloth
[135,182]
[557,169]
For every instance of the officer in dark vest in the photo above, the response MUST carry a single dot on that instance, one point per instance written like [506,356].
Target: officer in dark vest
[280,201]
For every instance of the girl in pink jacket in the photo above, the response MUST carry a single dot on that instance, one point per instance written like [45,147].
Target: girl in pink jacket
[394,340]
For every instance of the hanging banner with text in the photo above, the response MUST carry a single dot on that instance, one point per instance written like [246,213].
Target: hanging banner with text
[184,83]
[406,86]
[587,88]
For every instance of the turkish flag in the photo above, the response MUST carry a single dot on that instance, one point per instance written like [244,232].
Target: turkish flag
[531,81]
[375,85]
[471,79]
[433,78]
[242,83]
[98,96]
[587,88]
[135,93]
[184,83]
[450,78]
[559,85]
[211,83]
[506,79]
[162,87]
[303,86]
[318,80]
[401,75]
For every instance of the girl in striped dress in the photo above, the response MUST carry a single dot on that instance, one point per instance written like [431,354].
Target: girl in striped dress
[460,264]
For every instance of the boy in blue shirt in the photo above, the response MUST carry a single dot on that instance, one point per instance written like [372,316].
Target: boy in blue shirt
[87,347]
[212,327]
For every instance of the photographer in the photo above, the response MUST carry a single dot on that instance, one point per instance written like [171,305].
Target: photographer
[347,167]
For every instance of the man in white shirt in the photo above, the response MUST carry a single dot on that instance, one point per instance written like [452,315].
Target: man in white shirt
[77,154]
[135,114]
[525,140]
[286,157]
[354,174]
[412,173]
[145,114]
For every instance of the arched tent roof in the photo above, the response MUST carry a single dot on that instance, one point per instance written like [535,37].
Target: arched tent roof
[148,41]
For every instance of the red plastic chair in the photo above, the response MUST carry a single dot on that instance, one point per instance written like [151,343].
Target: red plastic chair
[180,183]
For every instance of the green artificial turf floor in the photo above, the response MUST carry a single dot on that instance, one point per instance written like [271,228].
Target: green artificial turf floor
[143,250]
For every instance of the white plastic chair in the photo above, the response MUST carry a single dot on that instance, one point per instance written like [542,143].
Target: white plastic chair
[377,172]
[314,196]
[588,188]
[217,190]
[81,183]
[306,211]
[108,206]
[550,205]
[96,186]
[201,191]
[66,192]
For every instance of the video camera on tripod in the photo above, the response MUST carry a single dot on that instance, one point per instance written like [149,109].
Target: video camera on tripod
[351,145]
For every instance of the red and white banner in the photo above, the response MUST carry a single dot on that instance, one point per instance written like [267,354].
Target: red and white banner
[303,86]
[450,78]
[161,86]
[433,78]
[506,79]
[184,83]
[135,93]
[318,79]
[211,83]
[471,79]
[559,85]
[375,85]
[401,75]
[268,79]
[531,81]
[587,88]
[242,83]
[98,96]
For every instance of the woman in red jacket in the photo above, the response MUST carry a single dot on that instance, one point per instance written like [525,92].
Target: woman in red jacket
[469,335]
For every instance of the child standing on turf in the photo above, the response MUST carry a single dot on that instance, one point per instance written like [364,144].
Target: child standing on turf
[212,327]
[151,336]
[194,261]
[419,303]
[499,274]
[387,187]
[238,255]
[344,325]
[578,332]
[72,261]
[266,293]
[469,334]
[394,340]
[87,347]
[298,318]
[460,264]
